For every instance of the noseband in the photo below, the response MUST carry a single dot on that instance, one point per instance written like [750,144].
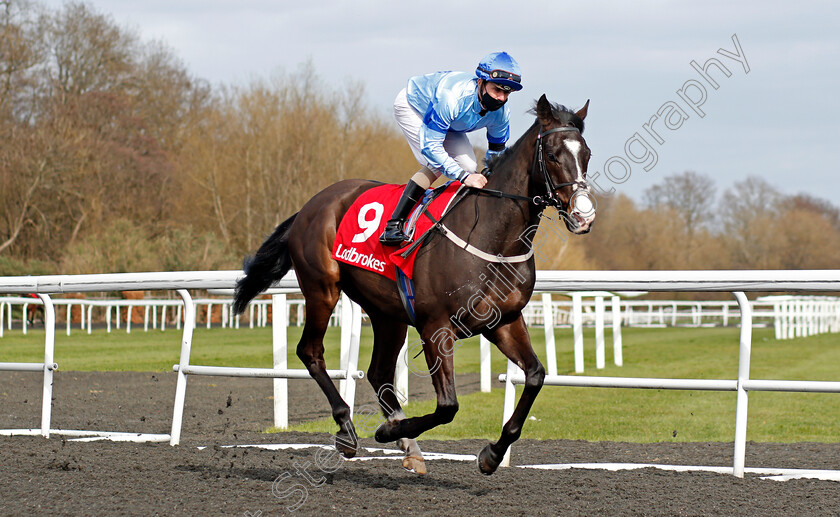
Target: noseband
[550,199]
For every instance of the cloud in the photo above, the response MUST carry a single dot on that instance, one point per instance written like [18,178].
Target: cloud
[628,57]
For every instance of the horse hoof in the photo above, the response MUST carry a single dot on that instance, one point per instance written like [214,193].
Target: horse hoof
[414,464]
[346,444]
[488,461]
[387,432]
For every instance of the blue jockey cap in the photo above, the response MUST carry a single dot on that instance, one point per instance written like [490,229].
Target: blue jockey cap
[502,69]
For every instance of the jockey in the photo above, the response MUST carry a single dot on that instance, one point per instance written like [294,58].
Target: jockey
[435,112]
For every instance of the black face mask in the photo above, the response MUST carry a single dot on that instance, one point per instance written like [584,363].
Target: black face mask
[489,103]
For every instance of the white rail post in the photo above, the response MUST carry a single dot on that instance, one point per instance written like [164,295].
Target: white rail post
[146,318]
[181,386]
[744,353]
[600,353]
[69,317]
[345,320]
[784,314]
[401,374]
[353,357]
[577,325]
[49,357]
[484,349]
[548,323]
[89,319]
[791,318]
[618,354]
[280,345]
[800,318]
[820,316]
[777,319]
[2,305]
[128,317]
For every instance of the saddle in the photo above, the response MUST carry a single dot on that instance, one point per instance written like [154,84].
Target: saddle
[356,242]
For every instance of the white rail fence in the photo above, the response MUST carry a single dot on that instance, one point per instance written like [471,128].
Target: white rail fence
[791,316]
[116,312]
[736,282]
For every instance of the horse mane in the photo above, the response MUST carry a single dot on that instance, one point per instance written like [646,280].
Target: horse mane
[560,113]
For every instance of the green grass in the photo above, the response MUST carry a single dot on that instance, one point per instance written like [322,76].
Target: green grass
[559,412]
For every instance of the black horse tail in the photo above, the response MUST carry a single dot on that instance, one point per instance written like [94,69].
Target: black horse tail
[271,262]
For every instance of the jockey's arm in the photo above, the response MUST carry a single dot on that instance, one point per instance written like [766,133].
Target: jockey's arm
[431,143]
[431,146]
[493,150]
[497,136]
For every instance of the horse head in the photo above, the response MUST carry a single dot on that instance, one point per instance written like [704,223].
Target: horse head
[561,159]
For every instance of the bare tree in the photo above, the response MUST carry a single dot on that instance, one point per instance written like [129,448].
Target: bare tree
[690,195]
[747,214]
[819,207]
[21,51]
[88,51]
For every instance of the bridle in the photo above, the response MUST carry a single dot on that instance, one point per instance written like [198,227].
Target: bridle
[542,202]
[550,199]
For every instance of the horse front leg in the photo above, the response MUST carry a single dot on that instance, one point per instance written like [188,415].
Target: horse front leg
[438,346]
[514,341]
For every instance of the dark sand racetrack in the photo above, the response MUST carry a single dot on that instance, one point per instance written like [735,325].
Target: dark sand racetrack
[64,477]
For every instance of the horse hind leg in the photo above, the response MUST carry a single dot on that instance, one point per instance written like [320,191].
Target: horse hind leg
[513,341]
[310,350]
[413,460]
[438,347]
[387,342]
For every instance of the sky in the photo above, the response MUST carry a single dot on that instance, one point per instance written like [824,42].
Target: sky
[776,115]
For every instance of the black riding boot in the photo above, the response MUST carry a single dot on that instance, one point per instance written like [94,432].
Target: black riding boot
[394,234]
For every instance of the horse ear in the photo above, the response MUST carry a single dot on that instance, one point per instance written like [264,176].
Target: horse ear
[582,112]
[544,112]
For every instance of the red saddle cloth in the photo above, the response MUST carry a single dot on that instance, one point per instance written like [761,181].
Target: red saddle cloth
[357,240]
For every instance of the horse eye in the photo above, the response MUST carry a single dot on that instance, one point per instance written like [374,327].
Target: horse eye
[552,157]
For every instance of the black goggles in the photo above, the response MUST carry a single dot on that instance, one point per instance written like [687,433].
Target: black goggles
[502,74]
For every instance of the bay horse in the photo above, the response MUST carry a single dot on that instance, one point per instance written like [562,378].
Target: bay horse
[454,299]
